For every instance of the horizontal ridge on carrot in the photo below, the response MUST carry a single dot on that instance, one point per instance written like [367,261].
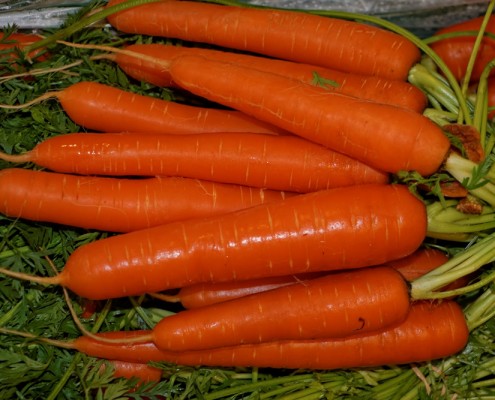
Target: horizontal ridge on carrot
[341,228]
[297,36]
[119,205]
[283,162]
[395,92]
[385,137]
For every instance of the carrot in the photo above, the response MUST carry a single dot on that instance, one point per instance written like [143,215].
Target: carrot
[419,263]
[337,305]
[284,163]
[203,294]
[430,331]
[339,228]
[297,36]
[119,205]
[144,373]
[378,89]
[456,51]
[410,267]
[385,137]
[16,41]
[423,261]
[105,108]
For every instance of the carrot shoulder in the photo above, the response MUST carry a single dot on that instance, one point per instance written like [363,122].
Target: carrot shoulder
[297,36]
[385,137]
[338,228]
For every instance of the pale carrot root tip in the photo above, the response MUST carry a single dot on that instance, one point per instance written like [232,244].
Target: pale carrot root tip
[45,280]
[57,343]
[43,71]
[165,297]
[120,341]
[114,51]
[15,158]
[46,96]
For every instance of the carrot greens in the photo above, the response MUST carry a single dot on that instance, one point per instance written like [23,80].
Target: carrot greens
[32,369]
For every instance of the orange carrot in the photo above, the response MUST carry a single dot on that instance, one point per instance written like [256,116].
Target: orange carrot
[339,228]
[419,263]
[144,373]
[411,267]
[394,92]
[423,261]
[119,205]
[336,305]
[105,108]
[297,36]
[17,41]
[456,51]
[385,137]
[204,294]
[431,331]
[274,162]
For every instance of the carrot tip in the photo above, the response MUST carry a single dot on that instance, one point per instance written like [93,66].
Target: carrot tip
[15,158]
[37,100]
[45,280]
[165,297]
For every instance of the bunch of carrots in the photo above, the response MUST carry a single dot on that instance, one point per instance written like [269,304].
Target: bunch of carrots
[300,197]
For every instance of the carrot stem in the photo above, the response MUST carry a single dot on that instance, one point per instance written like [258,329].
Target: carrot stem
[247,388]
[439,116]
[445,219]
[462,264]
[471,176]
[480,119]
[481,310]
[436,88]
